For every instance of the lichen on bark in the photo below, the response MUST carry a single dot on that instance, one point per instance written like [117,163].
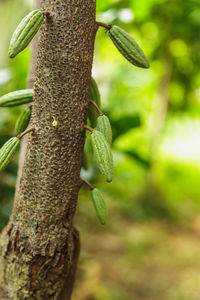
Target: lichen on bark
[39,246]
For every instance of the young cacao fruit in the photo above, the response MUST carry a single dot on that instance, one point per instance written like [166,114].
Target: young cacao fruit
[103,154]
[7,151]
[16,98]
[128,47]
[22,121]
[99,205]
[25,32]
[103,125]
[87,154]
[95,96]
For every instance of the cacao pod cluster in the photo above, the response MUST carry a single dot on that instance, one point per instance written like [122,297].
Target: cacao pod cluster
[100,139]
[21,38]
[14,99]
[101,135]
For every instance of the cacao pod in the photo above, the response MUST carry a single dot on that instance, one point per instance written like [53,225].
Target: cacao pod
[95,96]
[7,151]
[16,98]
[23,120]
[103,125]
[128,47]
[99,205]
[25,32]
[87,154]
[103,154]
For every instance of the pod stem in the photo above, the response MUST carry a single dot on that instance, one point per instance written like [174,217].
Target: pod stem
[25,132]
[89,128]
[46,13]
[91,186]
[100,24]
[97,107]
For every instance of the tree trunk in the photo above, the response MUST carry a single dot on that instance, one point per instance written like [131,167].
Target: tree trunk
[39,247]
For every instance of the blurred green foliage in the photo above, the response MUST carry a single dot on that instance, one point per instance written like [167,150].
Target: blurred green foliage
[155,116]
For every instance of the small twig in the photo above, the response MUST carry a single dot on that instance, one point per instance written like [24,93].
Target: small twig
[89,128]
[91,186]
[25,132]
[97,107]
[108,27]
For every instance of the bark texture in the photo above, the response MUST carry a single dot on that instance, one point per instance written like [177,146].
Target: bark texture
[39,247]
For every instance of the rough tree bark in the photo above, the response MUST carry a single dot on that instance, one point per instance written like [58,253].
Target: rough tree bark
[39,247]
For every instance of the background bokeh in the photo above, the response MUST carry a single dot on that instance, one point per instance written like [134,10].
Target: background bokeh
[149,248]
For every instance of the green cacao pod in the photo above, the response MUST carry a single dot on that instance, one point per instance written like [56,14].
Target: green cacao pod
[7,151]
[94,96]
[85,157]
[128,47]
[103,125]
[25,32]
[23,120]
[99,205]
[16,98]
[85,160]
[87,154]
[103,154]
